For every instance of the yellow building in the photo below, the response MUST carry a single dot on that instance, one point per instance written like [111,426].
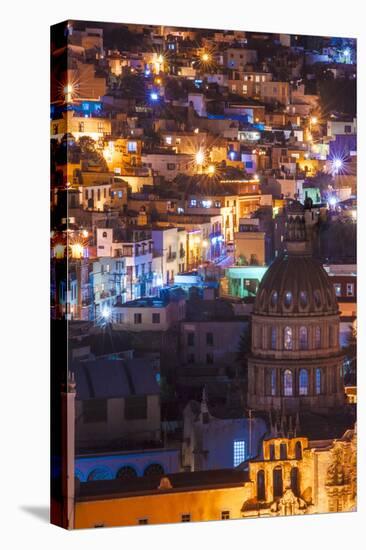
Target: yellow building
[295,476]
[79,126]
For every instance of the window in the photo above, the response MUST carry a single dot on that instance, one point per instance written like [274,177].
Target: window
[55,128]
[100,473]
[132,146]
[143,521]
[273,382]
[318,381]
[170,166]
[81,126]
[186,518]
[261,487]
[126,472]
[337,289]
[273,337]
[225,514]
[303,298]
[154,470]
[350,289]
[239,452]
[298,450]
[191,358]
[190,339]
[288,298]
[100,127]
[136,407]
[274,298]
[317,299]
[209,339]
[303,338]
[287,383]
[95,410]
[303,382]
[209,358]
[318,337]
[283,451]
[156,318]
[277,483]
[137,318]
[272,452]
[347,129]
[287,338]
[295,485]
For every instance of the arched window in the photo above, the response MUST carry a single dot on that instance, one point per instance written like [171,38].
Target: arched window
[126,472]
[318,381]
[273,382]
[303,298]
[154,470]
[317,299]
[318,337]
[273,337]
[298,450]
[303,338]
[287,383]
[287,338]
[261,485]
[274,298]
[100,473]
[303,382]
[283,451]
[259,336]
[295,485]
[288,299]
[277,483]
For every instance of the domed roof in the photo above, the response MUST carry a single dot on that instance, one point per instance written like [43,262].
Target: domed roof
[296,285]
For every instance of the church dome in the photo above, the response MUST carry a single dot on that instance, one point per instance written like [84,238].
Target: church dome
[296,285]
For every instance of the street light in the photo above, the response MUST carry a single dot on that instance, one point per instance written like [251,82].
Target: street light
[200,157]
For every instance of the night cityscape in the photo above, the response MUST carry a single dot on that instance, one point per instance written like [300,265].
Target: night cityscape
[203,274]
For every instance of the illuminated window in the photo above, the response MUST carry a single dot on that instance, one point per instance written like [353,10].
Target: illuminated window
[338,289]
[287,338]
[303,382]
[288,299]
[303,338]
[132,146]
[239,452]
[318,381]
[287,383]
[273,337]
[318,337]
[273,382]
[274,299]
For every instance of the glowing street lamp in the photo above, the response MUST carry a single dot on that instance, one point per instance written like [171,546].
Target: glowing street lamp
[200,157]
[337,165]
[68,91]
[205,57]
[314,120]
[211,169]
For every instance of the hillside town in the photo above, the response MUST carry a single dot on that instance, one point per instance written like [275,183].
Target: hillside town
[203,274]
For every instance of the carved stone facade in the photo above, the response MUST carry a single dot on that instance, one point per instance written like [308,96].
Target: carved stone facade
[294,477]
